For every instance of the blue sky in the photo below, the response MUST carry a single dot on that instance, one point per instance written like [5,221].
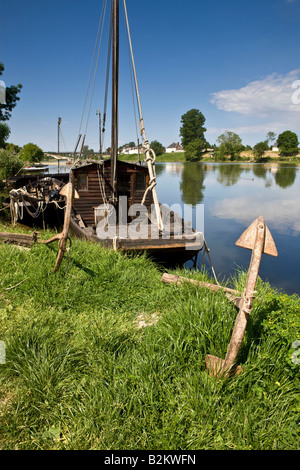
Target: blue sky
[237,61]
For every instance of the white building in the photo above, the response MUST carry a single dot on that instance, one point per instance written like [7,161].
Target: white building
[174,147]
[131,150]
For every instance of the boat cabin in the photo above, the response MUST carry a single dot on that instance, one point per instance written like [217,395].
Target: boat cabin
[92,181]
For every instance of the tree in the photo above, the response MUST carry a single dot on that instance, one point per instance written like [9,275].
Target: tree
[288,143]
[259,149]
[157,147]
[87,151]
[31,153]
[192,127]
[4,134]
[11,99]
[271,136]
[229,144]
[194,150]
[10,164]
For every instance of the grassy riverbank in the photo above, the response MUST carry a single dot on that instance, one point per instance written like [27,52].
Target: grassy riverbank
[103,355]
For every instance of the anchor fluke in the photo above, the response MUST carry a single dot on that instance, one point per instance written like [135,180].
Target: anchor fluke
[248,238]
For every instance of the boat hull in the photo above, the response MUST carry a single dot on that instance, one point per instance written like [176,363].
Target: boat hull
[170,251]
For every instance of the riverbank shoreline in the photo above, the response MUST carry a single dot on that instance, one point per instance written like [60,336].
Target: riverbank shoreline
[246,157]
[103,354]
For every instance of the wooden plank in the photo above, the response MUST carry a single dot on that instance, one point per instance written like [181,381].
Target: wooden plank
[171,279]
[19,238]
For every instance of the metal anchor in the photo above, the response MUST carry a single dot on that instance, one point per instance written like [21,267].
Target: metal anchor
[257,237]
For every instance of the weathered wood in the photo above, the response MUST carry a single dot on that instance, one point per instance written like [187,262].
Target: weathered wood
[62,244]
[63,236]
[171,279]
[19,238]
[257,238]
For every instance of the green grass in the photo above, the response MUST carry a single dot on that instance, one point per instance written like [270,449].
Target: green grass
[80,374]
[165,157]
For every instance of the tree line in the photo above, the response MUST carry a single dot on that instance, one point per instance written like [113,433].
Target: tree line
[192,133]
[229,144]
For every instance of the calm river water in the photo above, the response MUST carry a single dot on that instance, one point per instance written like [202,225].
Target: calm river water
[232,196]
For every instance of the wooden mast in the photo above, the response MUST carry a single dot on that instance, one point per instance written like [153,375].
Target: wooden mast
[115,95]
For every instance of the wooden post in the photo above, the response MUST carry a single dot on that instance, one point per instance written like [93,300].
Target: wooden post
[171,279]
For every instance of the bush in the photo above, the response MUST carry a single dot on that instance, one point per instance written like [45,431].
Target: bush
[4,134]
[288,143]
[31,153]
[10,164]
[194,150]
[260,149]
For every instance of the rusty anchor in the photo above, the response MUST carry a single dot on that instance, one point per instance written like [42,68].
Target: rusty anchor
[257,237]
[69,192]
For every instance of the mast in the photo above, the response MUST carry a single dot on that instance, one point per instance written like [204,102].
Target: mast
[115,94]
[58,142]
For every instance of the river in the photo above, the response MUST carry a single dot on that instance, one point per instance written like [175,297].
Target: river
[223,199]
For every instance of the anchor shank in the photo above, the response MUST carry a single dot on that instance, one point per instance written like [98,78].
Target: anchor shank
[242,318]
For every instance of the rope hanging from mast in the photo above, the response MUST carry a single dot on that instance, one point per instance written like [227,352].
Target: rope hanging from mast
[97,49]
[149,152]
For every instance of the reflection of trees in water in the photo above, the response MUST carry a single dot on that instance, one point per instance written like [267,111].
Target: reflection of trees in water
[285,176]
[193,175]
[230,174]
[261,171]
[191,186]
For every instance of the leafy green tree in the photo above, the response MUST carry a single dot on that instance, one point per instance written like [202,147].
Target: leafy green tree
[31,153]
[271,136]
[13,148]
[229,144]
[86,151]
[192,127]
[11,99]
[194,150]
[4,134]
[288,143]
[259,149]
[10,164]
[158,148]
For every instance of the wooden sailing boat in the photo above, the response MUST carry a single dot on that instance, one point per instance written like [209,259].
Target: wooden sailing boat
[116,202]
[111,192]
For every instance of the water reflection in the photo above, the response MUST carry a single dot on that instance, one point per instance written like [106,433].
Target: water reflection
[191,186]
[285,176]
[230,174]
[233,196]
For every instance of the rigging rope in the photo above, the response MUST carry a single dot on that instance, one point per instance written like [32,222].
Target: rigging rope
[149,152]
[97,46]
[132,91]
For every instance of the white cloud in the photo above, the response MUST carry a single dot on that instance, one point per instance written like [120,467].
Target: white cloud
[281,214]
[271,96]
